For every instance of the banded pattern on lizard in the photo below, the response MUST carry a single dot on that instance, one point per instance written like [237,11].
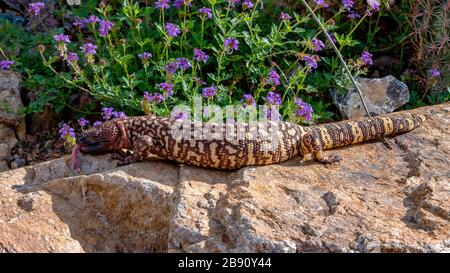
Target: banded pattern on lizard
[235,145]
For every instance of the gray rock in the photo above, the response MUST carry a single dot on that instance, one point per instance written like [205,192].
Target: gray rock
[17,163]
[5,151]
[12,122]
[3,166]
[382,96]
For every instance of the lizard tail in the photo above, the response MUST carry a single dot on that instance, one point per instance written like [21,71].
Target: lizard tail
[343,133]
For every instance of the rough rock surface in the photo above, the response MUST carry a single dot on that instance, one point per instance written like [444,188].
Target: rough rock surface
[375,200]
[382,96]
[12,124]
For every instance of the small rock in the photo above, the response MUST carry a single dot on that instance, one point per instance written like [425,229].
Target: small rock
[17,163]
[382,96]
[5,151]
[3,166]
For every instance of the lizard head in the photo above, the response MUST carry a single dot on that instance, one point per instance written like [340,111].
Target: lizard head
[110,135]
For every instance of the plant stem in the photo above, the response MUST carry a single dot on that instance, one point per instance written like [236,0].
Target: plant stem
[339,54]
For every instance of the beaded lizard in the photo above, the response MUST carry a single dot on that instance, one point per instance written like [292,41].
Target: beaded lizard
[234,145]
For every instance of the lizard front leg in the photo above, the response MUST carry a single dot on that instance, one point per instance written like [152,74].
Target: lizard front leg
[141,149]
[311,142]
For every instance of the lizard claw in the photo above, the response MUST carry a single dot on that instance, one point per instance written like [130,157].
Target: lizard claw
[123,157]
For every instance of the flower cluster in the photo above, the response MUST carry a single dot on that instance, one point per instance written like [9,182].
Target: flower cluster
[209,92]
[61,38]
[6,64]
[317,44]
[274,78]
[273,98]
[67,133]
[109,113]
[72,57]
[310,62]
[231,44]
[366,58]
[205,12]
[162,4]
[304,110]
[172,30]
[167,88]
[153,98]
[285,17]
[200,56]
[248,99]
[35,8]
[321,3]
[89,49]
[83,122]
[105,27]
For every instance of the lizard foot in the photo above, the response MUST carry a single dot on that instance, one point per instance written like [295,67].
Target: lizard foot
[326,159]
[330,159]
[124,157]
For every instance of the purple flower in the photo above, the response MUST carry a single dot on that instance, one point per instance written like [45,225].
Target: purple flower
[107,113]
[167,88]
[183,63]
[347,4]
[79,23]
[231,44]
[6,64]
[105,27]
[310,62]
[248,4]
[206,12]
[273,98]
[374,5]
[35,8]
[88,49]
[172,30]
[145,55]
[66,131]
[155,97]
[321,3]
[366,58]
[285,17]
[317,44]
[162,4]
[97,123]
[435,72]
[209,92]
[92,19]
[304,109]
[119,115]
[72,57]
[181,3]
[61,38]
[248,99]
[199,81]
[353,15]
[83,122]
[274,78]
[200,56]
[171,68]
[177,113]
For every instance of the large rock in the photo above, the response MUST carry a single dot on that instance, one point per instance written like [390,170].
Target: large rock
[382,96]
[375,200]
[12,123]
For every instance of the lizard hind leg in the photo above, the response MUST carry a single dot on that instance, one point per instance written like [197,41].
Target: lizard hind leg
[311,143]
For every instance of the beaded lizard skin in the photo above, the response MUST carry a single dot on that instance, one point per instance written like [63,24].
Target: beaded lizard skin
[151,135]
